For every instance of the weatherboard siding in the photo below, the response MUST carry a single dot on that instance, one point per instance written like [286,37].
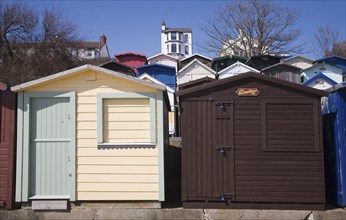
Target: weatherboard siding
[164,60]
[298,63]
[111,173]
[333,73]
[193,72]
[126,120]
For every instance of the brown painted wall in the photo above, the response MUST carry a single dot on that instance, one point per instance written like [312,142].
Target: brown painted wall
[7,151]
[272,142]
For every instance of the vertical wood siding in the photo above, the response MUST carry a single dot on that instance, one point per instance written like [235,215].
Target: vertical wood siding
[49,147]
[7,134]
[109,173]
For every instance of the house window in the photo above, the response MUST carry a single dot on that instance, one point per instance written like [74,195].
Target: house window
[173,36]
[173,48]
[179,48]
[89,53]
[180,36]
[186,49]
[126,119]
[186,38]
[167,48]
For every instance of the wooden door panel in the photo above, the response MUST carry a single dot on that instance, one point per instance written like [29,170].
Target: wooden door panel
[224,148]
[49,146]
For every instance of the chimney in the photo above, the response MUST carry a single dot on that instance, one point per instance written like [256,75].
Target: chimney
[103,40]
[163,25]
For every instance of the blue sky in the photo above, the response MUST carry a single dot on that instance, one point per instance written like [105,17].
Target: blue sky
[136,25]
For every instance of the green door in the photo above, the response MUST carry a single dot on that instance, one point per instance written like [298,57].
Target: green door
[50,143]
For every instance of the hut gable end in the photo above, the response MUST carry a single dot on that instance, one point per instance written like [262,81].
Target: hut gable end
[258,137]
[111,127]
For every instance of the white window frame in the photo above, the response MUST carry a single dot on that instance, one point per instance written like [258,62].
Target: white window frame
[175,34]
[102,96]
[187,48]
[186,38]
[176,48]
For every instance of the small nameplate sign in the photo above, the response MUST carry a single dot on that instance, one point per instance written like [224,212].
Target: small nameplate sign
[247,92]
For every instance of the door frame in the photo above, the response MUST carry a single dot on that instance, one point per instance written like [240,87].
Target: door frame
[23,141]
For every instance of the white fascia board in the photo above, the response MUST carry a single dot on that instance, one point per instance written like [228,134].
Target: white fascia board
[238,63]
[200,63]
[145,75]
[197,54]
[79,69]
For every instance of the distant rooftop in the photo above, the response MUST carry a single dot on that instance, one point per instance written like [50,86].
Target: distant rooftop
[86,44]
[189,30]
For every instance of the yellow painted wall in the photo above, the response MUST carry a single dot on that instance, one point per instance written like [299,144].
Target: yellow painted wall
[110,173]
[126,120]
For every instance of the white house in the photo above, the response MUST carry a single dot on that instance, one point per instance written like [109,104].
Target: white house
[92,49]
[176,42]
[163,59]
[298,61]
[238,45]
[235,69]
[194,70]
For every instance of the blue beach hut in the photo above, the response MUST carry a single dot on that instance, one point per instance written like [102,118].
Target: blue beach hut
[334,135]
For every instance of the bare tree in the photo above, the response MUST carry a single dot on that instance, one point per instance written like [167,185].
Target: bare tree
[251,27]
[56,26]
[340,49]
[33,45]
[17,23]
[328,42]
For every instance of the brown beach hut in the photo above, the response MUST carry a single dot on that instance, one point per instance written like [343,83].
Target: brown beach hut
[252,141]
[7,135]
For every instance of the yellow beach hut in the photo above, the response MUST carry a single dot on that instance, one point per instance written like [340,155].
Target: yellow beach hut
[91,134]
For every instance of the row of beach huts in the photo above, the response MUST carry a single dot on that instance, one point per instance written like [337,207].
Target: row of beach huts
[256,133]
